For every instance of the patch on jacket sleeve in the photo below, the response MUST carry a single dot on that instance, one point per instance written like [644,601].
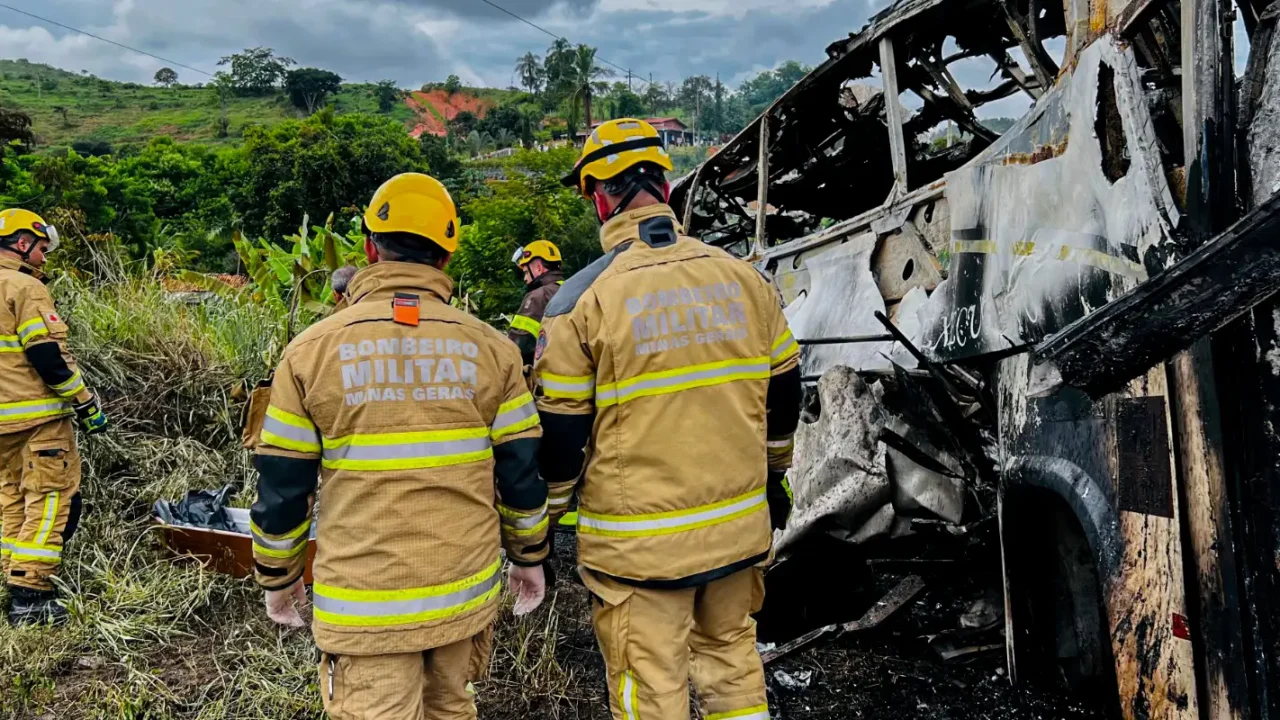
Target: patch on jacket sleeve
[541,346]
[575,287]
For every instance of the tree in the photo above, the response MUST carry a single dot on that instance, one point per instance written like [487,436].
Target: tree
[388,95]
[167,77]
[556,68]
[695,98]
[656,98]
[452,84]
[15,132]
[309,88]
[63,110]
[531,73]
[320,165]
[586,78]
[625,103]
[256,71]
[463,123]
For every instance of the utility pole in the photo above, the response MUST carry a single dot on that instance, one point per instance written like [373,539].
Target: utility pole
[629,80]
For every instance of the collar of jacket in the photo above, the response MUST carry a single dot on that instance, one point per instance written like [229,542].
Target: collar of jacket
[624,227]
[9,262]
[382,280]
[551,277]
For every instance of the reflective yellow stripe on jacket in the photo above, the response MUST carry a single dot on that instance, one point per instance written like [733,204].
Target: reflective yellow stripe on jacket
[32,409]
[31,329]
[677,521]
[380,608]
[514,416]
[679,379]
[10,344]
[566,387]
[281,546]
[71,387]
[291,432]
[526,323]
[407,450]
[784,347]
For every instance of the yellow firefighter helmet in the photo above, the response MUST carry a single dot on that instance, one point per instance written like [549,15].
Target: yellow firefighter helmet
[16,220]
[417,204]
[543,249]
[613,148]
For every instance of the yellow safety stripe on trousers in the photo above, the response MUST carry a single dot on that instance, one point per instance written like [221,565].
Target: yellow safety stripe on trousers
[521,523]
[47,518]
[70,388]
[407,450]
[51,554]
[514,416]
[627,696]
[283,429]
[784,348]
[680,379]
[32,409]
[6,546]
[10,344]
[667,523]
[31,329]
[756,712]
[281,546]
[381,608]
[567,387]
[526,323]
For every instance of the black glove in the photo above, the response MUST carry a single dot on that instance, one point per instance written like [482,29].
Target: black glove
[779,500]
[92,420]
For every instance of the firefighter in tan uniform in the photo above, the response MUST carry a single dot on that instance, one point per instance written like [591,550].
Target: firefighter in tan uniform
[423,434]
[41,391]
[541,263]
[671,363]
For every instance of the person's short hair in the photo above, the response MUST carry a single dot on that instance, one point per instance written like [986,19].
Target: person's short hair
[9,241]
[407,247]
[341,278]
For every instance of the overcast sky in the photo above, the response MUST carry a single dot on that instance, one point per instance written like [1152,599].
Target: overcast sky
[416,41]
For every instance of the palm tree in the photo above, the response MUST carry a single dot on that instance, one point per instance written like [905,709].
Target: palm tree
[557,64]
[504,138]
[529,68]
[586,78]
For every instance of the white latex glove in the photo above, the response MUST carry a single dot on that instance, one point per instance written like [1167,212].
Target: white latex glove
[283,605]
[530,586]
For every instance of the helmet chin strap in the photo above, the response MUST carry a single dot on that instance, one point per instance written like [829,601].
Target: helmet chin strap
[636,186]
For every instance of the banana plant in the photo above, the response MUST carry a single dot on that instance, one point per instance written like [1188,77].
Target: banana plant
[297,272]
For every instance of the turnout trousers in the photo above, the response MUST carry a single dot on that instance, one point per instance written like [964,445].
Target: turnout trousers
[39,501]
[655,641]
[433,684]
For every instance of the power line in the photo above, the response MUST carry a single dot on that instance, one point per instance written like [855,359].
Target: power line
[105,40]
[539,28]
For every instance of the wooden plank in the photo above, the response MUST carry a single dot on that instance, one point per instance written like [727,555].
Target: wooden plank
[1009,67]
[892,602]
[893,113]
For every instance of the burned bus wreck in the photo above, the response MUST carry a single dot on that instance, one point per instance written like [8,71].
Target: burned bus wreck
[1082,307]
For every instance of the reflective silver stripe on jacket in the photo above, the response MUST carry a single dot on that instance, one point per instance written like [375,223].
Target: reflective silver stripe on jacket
[407,451]
[507,422]
[290,432]
[33,409]
[36,328]
[524,523]
[410,608]
[610,394]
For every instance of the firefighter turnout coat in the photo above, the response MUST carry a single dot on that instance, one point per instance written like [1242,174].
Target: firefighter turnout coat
[39,463]
[663,358]
[528,321]
[418,421]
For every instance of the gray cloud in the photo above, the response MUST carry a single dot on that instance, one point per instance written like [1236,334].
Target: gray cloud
[414,41]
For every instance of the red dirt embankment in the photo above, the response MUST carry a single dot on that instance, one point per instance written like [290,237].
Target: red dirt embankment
[435,109]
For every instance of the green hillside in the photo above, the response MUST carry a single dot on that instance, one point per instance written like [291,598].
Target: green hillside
[99,111]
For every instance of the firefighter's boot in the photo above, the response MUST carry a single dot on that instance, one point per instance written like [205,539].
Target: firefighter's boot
[35,607]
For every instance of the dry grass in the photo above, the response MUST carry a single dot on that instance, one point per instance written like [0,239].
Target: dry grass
[150,637]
